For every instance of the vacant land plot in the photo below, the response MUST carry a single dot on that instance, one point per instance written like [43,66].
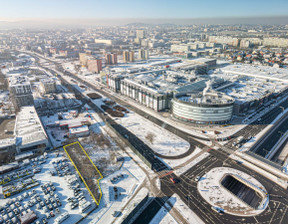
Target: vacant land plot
[86,169]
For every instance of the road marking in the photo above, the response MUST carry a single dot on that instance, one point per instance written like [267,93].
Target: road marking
[284,213]
[274,213]
[255,219]
[166,174]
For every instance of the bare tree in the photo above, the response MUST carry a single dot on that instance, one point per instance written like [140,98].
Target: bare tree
[150,137]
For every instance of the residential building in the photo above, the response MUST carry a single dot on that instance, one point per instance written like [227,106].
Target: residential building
[20,91]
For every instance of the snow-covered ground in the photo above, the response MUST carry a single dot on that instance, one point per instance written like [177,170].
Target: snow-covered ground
[214,193]
[128,185]
[164,142]
[163,216]
[185,211]
[62,189]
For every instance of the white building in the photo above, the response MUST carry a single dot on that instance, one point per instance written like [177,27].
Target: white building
[30,134]
[48,85]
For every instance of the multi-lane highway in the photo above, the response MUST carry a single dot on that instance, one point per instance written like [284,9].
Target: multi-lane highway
[187,187]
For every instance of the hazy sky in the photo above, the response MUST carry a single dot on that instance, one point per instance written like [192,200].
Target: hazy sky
[14,9]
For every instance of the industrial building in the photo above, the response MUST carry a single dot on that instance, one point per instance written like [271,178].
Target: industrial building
[30,134]
[20,91]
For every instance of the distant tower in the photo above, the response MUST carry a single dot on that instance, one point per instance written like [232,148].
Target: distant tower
[108,59]
[131,56]
[140,34]
[125,56]
[94,65]
[143,54]
[114,59]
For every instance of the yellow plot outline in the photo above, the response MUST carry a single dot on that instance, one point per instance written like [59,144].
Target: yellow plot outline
[101,177]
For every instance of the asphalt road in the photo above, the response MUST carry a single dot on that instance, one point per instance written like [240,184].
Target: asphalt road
[187,187]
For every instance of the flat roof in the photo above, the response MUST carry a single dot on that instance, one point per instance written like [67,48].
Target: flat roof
[28,126]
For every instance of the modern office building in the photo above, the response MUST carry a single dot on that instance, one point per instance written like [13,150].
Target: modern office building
[207,107]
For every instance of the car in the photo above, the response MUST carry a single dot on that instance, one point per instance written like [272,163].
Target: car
[74,205]
[48,216]
[117,214]
[38,199]
[50,207]
[42,204]
[44,221]
[217,209]
[37,222]
[54,205]
[57,210]
[52,214]
[174,180]
[46,201]
[197,178]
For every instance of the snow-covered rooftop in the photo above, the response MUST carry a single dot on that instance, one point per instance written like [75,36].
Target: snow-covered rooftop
[28,126]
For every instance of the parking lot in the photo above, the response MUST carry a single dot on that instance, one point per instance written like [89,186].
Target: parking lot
[55,196]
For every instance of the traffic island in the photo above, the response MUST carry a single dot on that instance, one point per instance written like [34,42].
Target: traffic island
[232,191]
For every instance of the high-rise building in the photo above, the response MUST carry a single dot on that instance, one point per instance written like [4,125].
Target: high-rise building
[131,56]
[108,58]
[114,59]
[83,59]
[143,54]
[125,56]
[140,34]
[20,91]
[94,65]
[111,59]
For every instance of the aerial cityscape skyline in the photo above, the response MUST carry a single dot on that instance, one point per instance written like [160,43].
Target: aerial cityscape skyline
[143,112]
